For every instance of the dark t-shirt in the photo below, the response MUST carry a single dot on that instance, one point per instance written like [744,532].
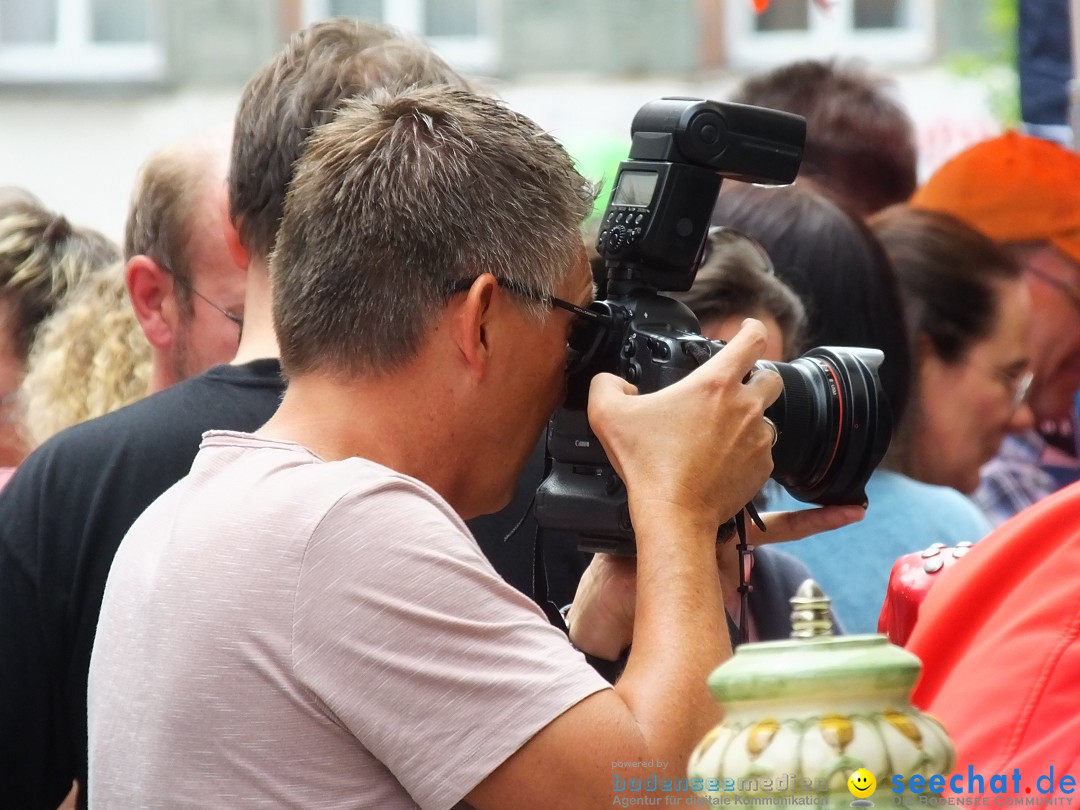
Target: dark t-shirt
[62,518]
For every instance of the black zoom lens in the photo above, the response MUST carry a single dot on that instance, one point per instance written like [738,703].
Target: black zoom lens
[833,424]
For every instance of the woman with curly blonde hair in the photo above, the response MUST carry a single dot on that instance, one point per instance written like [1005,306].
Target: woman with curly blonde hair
[89,358]
[42,257]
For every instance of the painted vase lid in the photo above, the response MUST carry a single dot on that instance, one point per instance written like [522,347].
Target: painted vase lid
[813,663]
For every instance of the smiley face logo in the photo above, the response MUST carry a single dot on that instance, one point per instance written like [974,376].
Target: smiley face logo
[862,784]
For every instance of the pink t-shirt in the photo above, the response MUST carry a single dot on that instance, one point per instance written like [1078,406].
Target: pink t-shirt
[281,630]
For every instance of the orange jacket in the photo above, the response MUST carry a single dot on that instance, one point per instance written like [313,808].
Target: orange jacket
[999,637]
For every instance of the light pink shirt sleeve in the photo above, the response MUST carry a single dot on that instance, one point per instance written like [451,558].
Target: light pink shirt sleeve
[416,645]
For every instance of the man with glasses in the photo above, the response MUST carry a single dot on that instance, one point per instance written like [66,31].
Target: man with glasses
[323,625]
[185,287]
[1025,193]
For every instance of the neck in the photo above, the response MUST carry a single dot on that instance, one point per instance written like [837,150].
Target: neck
[258,340]
[391,419]
[161,373]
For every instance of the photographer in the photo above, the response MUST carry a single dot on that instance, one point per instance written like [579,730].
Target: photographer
[322,626]
[65,512]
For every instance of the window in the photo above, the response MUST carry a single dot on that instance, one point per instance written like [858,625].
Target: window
[79,41]
[881,31]
[461,31]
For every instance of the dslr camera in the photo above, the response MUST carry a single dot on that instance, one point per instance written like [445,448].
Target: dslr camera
[832,419]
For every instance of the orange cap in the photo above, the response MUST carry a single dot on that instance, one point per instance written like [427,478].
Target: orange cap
[1013,188]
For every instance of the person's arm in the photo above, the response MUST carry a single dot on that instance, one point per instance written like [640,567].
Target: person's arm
[601,619]
[36,761]
[691,455]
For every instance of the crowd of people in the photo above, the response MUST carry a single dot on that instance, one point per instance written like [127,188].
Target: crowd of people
[268,465]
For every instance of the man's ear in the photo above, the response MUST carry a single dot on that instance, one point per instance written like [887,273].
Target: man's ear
[471,322]
[150,289]
[237,252]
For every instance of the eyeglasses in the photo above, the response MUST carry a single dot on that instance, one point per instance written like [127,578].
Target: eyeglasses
[187,285]
[525,291]
[1017,385]
[586,333]
[1071,291]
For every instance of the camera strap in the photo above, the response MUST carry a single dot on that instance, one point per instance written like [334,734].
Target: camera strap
[746,555]
[540,584]
[539,572]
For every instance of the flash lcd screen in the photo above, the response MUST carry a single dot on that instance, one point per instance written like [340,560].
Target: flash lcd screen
[635,189]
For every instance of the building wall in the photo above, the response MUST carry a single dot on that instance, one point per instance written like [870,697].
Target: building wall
[625,38]
[581,68]
[963,27]
[220,42]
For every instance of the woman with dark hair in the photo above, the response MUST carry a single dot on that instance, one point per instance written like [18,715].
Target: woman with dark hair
[836,267]
[735,281]
[851,295]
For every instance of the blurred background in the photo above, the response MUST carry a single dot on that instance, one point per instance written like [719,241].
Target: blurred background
[89,87]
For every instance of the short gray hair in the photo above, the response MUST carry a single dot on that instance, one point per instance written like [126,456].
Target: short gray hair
[398,198]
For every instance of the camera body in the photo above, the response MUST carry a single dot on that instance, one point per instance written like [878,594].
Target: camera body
[832,421]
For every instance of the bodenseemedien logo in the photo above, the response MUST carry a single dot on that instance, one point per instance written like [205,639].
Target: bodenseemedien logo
[862,785]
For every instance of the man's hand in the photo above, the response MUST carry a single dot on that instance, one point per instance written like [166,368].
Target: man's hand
[602,618]
[699,447]
[780,527]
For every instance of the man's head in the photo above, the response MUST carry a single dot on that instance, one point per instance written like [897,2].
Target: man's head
[860,142]
[1024,193]
[320,67]
[185,287]
[435,218]
[399,200]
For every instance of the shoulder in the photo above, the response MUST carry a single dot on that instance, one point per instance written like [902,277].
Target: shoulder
[1035,548]
[223,397]
[1017,453]
[110,468]
[370,506]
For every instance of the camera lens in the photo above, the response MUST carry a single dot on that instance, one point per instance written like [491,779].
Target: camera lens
[834,424]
